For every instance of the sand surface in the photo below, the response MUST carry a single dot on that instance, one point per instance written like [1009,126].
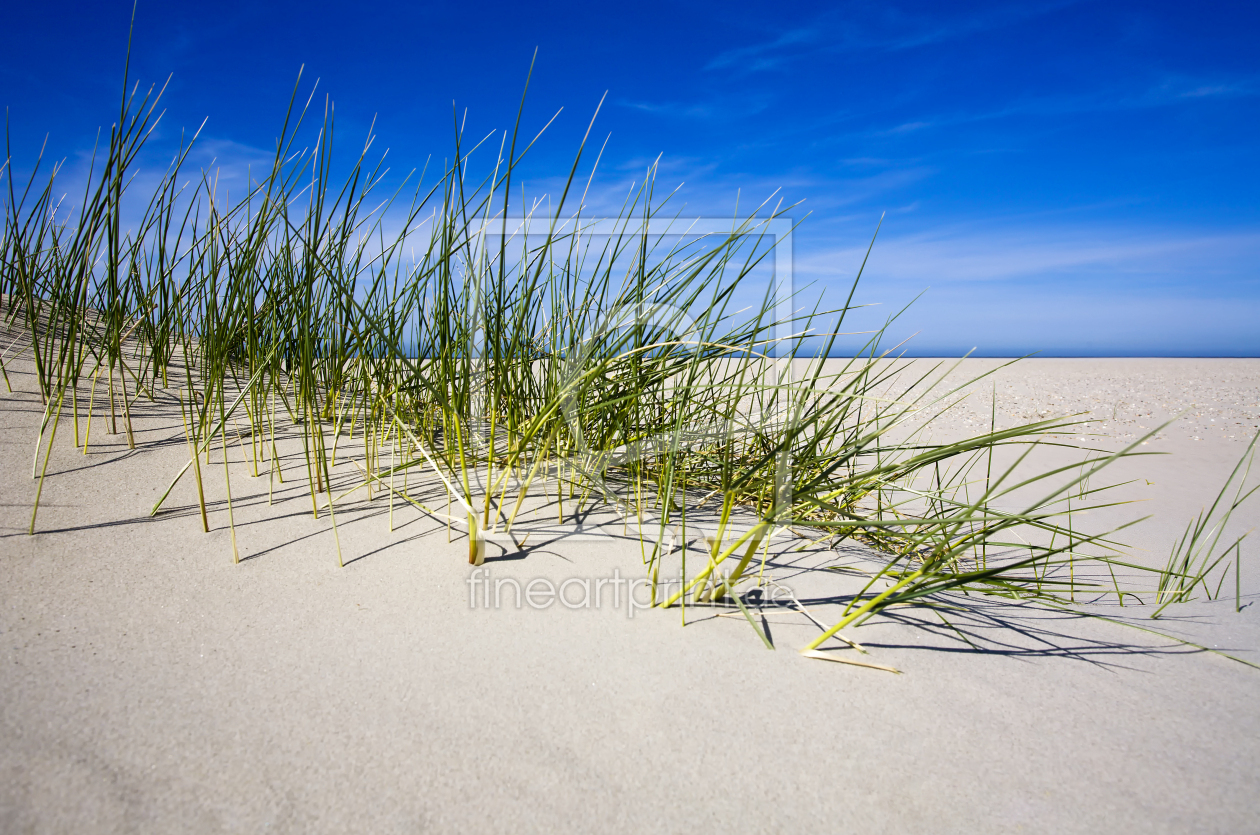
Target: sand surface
[151,685]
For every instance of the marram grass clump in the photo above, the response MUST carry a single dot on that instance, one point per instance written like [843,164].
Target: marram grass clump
[499,363]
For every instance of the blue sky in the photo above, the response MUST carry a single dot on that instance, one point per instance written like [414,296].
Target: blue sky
[1075,178]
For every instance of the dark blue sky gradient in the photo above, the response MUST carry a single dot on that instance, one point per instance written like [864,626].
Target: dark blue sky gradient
[1071,178]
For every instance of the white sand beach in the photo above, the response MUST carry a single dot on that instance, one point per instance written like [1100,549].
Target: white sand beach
[151,685]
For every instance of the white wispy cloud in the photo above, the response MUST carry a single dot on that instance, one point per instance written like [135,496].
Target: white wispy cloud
[724,108]
[954,254]
[1070,289]
[1168,91]
[766,55]
[863,27]
[1176,88]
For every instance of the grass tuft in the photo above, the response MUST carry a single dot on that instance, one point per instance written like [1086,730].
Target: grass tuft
[504,358]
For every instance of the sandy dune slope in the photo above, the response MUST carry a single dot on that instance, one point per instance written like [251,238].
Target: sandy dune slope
[148,684]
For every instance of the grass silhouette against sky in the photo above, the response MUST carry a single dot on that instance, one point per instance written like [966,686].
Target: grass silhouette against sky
[1074,178]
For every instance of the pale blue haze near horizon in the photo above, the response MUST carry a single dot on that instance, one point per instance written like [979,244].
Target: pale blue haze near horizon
[1070,178]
